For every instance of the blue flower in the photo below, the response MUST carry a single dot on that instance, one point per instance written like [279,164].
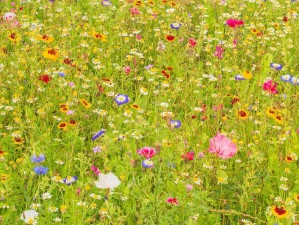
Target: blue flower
[294,80]
[286,78]
[38,159]
[239,77]
[147,163]
[276,66]
[40,170]
[121,99]
[175,26]
[69,180]
[62,74]
[176,123]
[98,134]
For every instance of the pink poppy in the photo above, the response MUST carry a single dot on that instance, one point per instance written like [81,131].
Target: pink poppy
[270,87]
[222,146]
[234,23]
[147,152]
[172,201]
[192,42]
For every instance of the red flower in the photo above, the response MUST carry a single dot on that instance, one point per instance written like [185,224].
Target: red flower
[188,156]
[192,42]
[234,23]
[172,201]
[45,78]
[166,75]
[270,87]
[170,38]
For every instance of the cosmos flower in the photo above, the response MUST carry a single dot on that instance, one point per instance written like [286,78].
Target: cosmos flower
[109,181]
[38,159]
[222,146]
[9,16]
[29,217]
[276,66]
[106,3]
[40,170]
[175,26]
[95,170]
[121,99]
[98,134]
[147,152]
[270,87]
[234,23]
[147,163]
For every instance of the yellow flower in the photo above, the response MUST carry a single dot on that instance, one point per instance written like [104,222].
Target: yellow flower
[51,53]
[14,37]
[85,103]
[63,208]
[279,212]
[3,177]
[242,114]
[62,126]
[99,36]
[45,38]
[247,74]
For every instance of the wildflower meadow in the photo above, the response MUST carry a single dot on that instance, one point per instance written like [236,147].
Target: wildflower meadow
[150,112]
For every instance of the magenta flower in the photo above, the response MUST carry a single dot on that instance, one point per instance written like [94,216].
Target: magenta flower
[219,52]
[172,201]
[234,23]
[222,146]
[192,42]
[127,69]
[134,11]
[147,152]
[270,87]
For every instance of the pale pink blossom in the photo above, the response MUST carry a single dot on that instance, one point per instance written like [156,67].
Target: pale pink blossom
[222,146]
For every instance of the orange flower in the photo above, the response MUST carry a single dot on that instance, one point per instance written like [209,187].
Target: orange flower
[45,38]
[99,36]
[242,114]
[62,126]
[73,123]
[85,103]
[18,140]
[14,38]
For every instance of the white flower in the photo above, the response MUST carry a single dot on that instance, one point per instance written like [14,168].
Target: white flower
[46,196]
[9,16]
[107,181]
[29,217]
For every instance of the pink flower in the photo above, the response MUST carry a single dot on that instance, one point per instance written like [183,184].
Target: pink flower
[172,201]
[192,42]
[219,52]
[270,87]
[138,37]
[234,23]
[222,146]
[95,170]
[127,69]
[134,11]
[147,152]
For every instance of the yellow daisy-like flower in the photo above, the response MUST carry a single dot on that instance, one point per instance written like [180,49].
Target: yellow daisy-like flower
[242,114]
[14,37]
[99,36]
[18,140]
[62,126]
[51,53]
[296,197]
[45,38]
[278,118]
[247,75]
[135,106]
[279,212]
[85,103]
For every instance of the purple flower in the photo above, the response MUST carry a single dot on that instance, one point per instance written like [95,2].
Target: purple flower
[121,99]
[147,163]
[175,26]
[98,134]
[40,170]
[276,66]
[239,77]
[106,3]
[176,123]
[38,159]
[149,67]
[286,78]
[97,149]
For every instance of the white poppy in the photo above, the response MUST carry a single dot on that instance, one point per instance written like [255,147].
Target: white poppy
[29,217]
[107,181]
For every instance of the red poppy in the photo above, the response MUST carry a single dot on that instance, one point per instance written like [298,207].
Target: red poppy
[45,78]
[170,38]
[188,156]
